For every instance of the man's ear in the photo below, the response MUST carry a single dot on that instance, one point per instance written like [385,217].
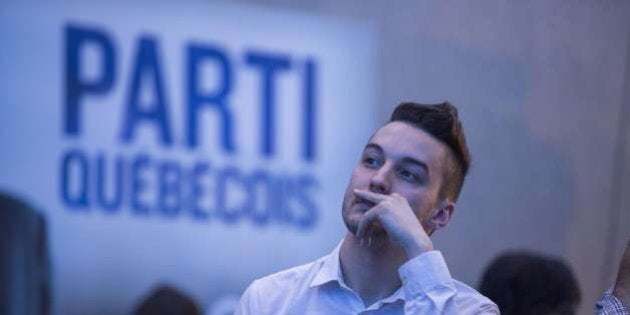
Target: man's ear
[443,215]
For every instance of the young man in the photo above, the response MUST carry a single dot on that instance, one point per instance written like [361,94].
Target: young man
[403,189]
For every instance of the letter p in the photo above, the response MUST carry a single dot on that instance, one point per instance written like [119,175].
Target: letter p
[76,85]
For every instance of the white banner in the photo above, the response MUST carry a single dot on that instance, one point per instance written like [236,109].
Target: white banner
[200,146]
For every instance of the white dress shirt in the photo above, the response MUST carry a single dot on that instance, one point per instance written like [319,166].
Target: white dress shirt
[318,288]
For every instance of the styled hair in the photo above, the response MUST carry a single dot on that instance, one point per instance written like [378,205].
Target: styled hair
[442,122]
[523,283]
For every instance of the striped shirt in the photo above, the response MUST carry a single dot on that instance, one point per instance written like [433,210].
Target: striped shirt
[611,305]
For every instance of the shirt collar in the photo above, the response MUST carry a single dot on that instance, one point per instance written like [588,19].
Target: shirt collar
[330,270]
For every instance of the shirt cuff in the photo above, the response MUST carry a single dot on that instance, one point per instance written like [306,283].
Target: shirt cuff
[424,273]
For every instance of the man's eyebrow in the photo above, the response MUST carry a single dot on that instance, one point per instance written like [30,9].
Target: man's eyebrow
[413,161]
[373,146]
[408,160]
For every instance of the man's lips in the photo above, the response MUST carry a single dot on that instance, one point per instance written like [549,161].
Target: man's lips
[361,201]
[365,205]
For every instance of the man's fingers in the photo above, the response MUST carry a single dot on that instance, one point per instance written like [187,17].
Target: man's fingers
[365,221]
[370,196]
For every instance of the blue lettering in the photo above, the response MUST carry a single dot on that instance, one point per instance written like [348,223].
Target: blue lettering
[170,177]
[111,204]
[269,65]
[197,191]
[224,177]
[147,65]
[198,54]
[279,195]
[77,38]
[74,160]
[138,184]
[305,185]
[259,185]
[309,121]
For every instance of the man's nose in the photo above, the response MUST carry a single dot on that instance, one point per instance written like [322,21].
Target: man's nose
[381,182]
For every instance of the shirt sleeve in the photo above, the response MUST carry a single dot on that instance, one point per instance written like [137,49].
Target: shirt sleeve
[430,289]
[249,302]
[611,305]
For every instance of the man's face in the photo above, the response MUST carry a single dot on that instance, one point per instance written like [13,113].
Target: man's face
[399,159]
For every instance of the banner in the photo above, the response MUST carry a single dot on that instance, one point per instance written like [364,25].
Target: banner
[196,145]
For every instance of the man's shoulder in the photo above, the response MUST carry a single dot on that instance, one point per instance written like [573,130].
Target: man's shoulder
[278,293]
[292,278]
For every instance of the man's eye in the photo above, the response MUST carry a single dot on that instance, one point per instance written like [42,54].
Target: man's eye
[371,162]
[409,175]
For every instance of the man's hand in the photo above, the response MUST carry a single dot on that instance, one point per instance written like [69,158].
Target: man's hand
[396,217]
[622,286]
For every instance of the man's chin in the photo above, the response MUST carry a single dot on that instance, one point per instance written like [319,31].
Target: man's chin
[374,230]
[351,226]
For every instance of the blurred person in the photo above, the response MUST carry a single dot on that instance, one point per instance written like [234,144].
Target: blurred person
[403,189]
[166,300]
[616,301]
[523,283]
[24,259]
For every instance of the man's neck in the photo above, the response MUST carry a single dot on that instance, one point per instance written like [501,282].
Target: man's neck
[371,270]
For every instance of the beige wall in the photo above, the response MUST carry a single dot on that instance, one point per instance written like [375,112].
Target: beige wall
[540,85]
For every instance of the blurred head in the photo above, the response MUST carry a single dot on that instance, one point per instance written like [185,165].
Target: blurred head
[166,300]
[421,154]
[525,283]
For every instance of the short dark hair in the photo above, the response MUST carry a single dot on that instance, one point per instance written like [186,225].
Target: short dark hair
[523,283]
[442,122]
[167,300]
